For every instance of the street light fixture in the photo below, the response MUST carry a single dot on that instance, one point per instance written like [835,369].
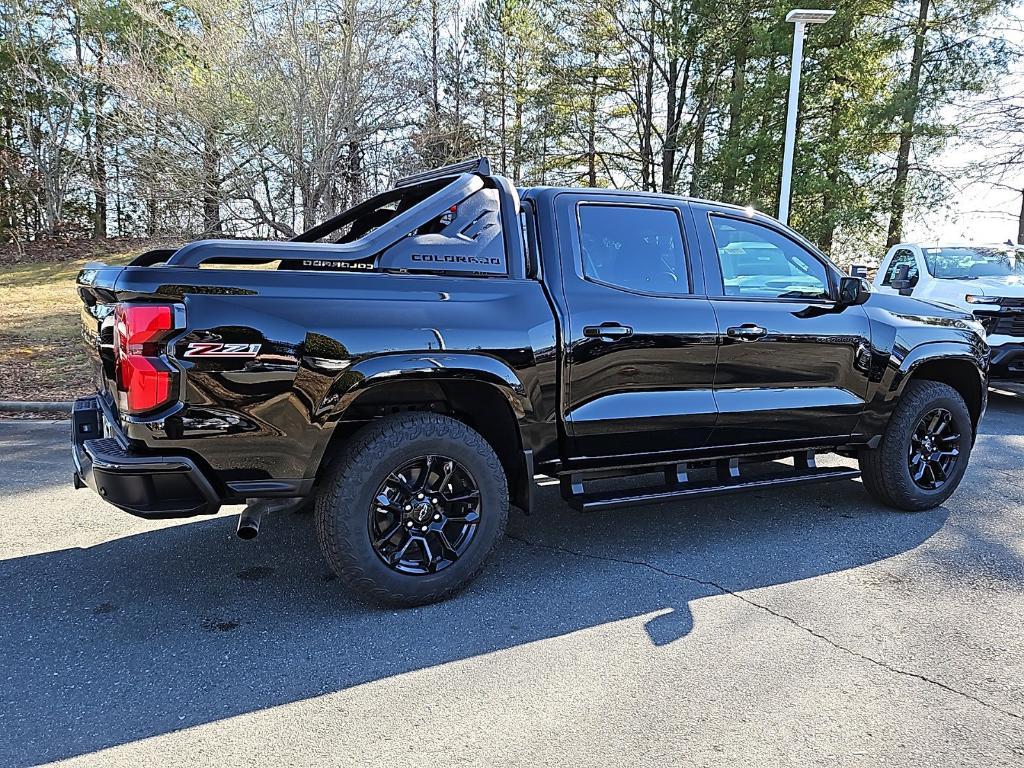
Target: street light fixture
[813,16]
[801,18]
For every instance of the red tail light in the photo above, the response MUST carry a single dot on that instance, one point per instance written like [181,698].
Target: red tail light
[144,377]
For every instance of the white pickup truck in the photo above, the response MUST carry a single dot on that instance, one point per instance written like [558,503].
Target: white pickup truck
[987,280]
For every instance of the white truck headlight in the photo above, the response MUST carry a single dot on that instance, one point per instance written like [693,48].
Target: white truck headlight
[972,298]
[977,327]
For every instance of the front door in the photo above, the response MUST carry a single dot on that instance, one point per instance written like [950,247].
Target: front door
[793,366]
[642,338]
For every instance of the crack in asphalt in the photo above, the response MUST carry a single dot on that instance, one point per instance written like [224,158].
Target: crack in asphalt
[768,609]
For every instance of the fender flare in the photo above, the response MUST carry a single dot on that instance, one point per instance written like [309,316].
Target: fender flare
[931,351]
[427,366]
[900,366]
[380,370]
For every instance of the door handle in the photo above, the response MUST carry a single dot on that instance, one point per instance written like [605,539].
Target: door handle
[746,332]
[607,331]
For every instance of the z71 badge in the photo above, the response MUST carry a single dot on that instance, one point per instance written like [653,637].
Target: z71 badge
[217,349]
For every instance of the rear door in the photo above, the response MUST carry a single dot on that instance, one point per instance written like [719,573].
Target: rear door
[793,365]
[641,337]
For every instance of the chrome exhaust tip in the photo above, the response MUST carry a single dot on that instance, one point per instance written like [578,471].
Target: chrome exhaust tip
[249,522]
[251,517]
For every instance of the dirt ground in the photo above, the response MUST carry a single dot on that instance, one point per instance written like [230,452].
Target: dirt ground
[41,354]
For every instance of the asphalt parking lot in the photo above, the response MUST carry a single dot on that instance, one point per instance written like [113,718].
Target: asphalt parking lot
[793,627]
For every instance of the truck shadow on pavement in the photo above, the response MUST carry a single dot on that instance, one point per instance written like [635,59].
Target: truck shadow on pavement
[156,632]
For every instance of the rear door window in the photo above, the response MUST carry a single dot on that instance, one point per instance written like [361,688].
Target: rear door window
[635,248]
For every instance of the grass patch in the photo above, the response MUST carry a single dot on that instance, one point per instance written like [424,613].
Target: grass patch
[41,349]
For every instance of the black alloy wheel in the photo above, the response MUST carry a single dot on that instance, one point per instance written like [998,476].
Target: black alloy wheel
[934,449]
[924,450]
[409,510]
[424,515]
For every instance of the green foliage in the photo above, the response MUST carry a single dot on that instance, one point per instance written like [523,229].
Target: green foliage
[271,115]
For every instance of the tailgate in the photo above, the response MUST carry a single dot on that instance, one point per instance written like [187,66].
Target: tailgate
[96,290]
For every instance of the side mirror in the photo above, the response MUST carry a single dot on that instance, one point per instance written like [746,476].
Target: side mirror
[901,280]
[853,291]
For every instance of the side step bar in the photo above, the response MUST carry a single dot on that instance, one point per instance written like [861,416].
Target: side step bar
[677,485]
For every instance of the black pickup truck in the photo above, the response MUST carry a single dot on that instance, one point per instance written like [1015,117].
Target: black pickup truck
[413,363]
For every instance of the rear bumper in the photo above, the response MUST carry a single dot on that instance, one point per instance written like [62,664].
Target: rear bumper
[1007,363]
[148,485]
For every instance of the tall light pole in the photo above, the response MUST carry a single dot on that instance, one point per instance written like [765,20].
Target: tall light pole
[801,18]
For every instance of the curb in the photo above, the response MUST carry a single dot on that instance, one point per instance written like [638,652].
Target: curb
[29,406]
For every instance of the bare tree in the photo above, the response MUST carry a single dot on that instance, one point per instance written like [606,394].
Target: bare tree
[43,108]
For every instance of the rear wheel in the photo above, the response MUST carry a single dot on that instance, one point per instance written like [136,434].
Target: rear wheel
[924,451]
[411,509]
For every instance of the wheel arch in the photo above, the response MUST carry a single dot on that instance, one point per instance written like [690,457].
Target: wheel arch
[480,391]
[957,368]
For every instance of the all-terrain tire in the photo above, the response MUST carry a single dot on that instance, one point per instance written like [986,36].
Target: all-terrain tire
[885,470]
[354,477]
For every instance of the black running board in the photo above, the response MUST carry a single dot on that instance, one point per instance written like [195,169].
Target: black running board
[591,502]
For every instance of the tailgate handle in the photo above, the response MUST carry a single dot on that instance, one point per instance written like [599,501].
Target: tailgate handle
[607,331]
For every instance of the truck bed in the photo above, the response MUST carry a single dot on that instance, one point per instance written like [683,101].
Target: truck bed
[321,337]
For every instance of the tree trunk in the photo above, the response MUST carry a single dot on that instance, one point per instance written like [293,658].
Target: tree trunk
[438,145]
[739,74]
[912,98]
[828,231]
[211,184]
[763,182]
[99,218]
[354,190]
[517,124]
[502,91]
[8,203]
[647,148]
[457,101]
[698,146]
[118,205]
[150,196]
[485,123]
[1020,221]
[544,156]
[304,182]
[435,102]
[668,149]
[678,86]
[592,126]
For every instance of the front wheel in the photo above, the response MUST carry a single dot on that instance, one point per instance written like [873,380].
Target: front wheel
[924,451]
[410,511]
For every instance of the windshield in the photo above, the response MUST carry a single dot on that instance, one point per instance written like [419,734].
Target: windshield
[969,263]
